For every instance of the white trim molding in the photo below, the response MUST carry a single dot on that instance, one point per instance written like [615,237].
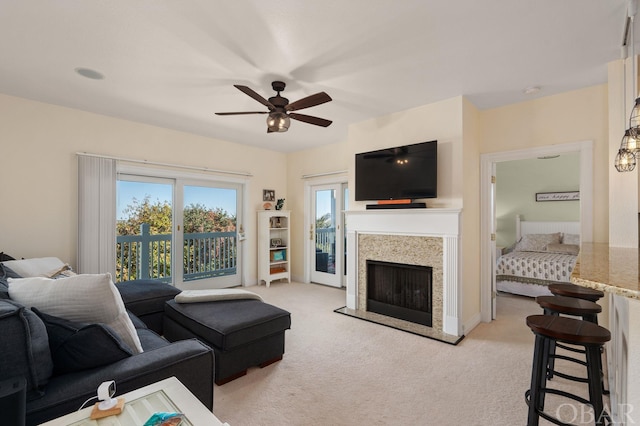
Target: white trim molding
[487,162]
[440,223]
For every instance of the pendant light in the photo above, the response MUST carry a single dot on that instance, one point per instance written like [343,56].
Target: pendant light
[625,160]
[630,144]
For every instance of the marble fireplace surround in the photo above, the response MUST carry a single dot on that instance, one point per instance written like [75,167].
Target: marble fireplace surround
[428,237]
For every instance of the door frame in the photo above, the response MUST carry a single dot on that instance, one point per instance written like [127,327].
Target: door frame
[336,179]
[158,172]
[487,162]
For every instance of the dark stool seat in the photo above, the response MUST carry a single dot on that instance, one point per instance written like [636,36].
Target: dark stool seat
[570,306]
[243,333]
[552,328]
[579,292]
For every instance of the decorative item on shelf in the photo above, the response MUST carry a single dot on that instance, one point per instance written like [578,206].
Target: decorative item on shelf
[274,222]
[278,255]
[268,195]
[276,242]
[267,206]
[280,204]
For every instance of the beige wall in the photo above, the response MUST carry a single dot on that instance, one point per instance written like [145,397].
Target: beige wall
[575,116]
[470,291]
[39,172]
[464,133]
[325,159]
[441,121]
[518,181]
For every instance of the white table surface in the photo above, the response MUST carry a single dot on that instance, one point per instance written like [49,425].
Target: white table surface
[168,395]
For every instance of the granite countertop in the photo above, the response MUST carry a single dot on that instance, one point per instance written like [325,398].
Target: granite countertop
[611,269]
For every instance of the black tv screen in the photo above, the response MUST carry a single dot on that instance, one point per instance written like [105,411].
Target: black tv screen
[403,172]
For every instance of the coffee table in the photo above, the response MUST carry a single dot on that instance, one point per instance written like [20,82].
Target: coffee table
[168,395]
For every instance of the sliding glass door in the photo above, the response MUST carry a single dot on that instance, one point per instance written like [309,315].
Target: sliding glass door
[178,231]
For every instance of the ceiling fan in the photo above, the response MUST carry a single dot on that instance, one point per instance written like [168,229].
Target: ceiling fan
[279,108]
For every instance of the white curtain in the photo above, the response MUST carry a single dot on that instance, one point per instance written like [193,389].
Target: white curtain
[96,215]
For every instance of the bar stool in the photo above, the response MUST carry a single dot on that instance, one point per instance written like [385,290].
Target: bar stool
[585,309]
[550,329]
[579,292]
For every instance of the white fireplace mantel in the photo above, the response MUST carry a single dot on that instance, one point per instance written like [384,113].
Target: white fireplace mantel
[441,223]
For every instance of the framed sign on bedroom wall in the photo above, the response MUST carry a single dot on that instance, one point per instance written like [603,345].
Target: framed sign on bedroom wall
[558,196]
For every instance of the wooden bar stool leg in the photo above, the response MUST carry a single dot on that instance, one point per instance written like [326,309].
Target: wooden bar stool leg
[550,358]
[595,384]
[538,372]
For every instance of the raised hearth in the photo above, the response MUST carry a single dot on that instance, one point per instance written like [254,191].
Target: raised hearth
[422,237]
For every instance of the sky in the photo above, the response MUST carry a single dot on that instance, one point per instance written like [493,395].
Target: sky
[212,198]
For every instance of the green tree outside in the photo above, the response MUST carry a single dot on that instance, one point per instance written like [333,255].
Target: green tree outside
[197,219]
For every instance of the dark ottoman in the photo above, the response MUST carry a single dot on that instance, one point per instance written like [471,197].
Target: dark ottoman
[243,333]
[146,299]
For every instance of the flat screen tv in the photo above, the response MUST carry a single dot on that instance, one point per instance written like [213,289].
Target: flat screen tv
[398,173]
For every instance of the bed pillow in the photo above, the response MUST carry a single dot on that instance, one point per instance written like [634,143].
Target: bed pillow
[537,242]
[571,239]
[563,248]
[79,346]
[35,267]
[88,298]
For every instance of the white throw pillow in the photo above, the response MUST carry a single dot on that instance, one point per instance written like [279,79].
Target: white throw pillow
[88,298]
[35,267]
[537,242]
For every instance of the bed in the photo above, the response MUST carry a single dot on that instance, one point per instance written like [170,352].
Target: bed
[544,253]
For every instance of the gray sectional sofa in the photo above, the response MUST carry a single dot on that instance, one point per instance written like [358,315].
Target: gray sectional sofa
[53,392]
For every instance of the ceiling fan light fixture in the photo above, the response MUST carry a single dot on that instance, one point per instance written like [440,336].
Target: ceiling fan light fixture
[278,122]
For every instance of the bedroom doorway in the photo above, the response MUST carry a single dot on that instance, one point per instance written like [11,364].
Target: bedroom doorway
[488,164]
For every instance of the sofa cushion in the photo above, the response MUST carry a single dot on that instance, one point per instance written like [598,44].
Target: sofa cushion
[88,298]
[143,297]
[79,346]
[4,257]
[5,274]
[230,323]
[24,346]
[35,267]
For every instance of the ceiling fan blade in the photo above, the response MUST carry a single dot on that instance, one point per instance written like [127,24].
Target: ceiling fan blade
[250,92]
[240,113]
[310,119]
[309,101]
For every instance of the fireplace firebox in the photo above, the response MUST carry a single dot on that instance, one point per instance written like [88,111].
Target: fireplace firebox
[400,291]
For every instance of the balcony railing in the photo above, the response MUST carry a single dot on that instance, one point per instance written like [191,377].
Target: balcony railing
[147,256]
[325,240]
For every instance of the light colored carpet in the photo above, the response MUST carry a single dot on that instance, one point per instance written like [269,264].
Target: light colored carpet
[339,370]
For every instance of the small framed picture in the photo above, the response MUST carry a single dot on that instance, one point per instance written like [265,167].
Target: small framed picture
[276,242]
[268,195]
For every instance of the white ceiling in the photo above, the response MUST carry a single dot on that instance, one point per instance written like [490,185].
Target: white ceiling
[173,63]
